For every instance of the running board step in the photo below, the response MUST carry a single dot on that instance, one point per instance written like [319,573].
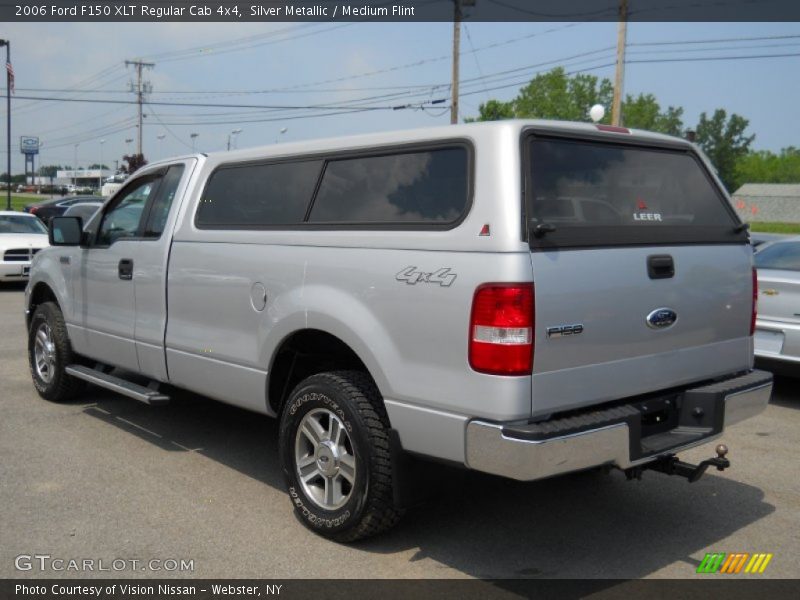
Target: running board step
[116,384]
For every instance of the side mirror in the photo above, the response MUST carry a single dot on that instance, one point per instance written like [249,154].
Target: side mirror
[66,231]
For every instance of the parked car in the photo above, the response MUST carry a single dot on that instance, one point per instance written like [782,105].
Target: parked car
[48,209]
[54,189]
[84,210]
[759,239]
[21,237]
[777,337]
[403,295]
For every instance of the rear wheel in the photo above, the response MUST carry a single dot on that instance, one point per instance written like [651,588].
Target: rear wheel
[49,352]
[334,446]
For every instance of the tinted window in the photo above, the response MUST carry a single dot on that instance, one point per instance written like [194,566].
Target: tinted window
[614,194]
[781,255]
[423,187]
[21,224]
[254,195]
[159,211]
[123,219]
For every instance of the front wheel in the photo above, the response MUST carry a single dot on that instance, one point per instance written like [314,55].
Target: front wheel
[334,448]
[49,352]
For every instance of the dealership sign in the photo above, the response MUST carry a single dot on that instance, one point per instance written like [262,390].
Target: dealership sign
[29,144]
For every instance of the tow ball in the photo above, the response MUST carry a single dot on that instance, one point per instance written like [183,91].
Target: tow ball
[670,465]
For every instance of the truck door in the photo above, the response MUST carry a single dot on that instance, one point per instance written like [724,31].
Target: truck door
[151,258]
[120,250]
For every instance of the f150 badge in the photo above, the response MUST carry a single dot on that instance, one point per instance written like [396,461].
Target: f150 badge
[411,276]
[558,331]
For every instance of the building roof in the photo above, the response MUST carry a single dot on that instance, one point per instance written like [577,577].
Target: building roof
[769,190]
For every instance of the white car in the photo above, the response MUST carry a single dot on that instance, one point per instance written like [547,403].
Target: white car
[21,236]
[777,335]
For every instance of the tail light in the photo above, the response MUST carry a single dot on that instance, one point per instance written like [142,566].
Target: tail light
[755,302]
[501,329]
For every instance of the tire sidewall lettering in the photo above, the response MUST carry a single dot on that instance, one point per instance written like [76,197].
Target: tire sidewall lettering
[319,518]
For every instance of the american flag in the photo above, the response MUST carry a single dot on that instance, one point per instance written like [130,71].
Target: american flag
[10,70]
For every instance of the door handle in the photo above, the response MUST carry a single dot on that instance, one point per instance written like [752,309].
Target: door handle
[126,268]
[660,266]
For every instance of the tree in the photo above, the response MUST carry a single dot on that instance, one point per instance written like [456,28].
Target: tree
[98,166]
[723,139]
[767,167]
[18,178]
[493,110]
[556,95]
[644,112]
[134,163]
[552,95]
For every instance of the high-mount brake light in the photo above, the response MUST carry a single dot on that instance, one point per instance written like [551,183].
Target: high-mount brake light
[613,129]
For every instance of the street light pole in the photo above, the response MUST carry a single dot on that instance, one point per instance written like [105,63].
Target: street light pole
[194,137]
[233,134]
[75,167]
[100,179]
[7,44]
[161,144]
[280,133]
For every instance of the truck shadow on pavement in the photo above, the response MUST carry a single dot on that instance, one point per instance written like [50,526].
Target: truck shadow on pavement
[586,525]
[785,392]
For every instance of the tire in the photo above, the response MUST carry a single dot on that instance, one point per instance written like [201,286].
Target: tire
[49,352]
[334,425]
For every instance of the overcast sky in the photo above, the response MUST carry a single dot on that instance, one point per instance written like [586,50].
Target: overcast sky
[337,62]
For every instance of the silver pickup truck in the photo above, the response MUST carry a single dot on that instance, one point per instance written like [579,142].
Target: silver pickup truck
[522,298]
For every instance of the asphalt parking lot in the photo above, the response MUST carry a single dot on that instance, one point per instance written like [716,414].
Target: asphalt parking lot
[106,477]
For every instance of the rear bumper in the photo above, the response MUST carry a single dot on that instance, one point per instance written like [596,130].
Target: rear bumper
[622,436]
[777,341]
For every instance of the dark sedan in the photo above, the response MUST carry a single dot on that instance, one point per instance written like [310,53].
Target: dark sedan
[48,209]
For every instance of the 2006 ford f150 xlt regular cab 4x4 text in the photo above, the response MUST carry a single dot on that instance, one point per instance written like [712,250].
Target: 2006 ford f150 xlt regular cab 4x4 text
[523,298]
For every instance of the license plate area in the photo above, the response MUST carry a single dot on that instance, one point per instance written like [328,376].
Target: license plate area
[767,341]
[659,414]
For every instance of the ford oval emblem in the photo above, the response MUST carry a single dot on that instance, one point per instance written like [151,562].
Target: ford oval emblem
[661,318]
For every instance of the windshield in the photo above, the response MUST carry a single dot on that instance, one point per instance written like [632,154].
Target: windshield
[781,255]
[21,224]
[595,193]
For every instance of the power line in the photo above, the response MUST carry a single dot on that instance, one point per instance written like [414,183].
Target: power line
[717,40]
[491,77]
[197,104]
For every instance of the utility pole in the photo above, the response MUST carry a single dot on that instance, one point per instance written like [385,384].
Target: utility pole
[456,52]
[619,78]
[457,18]
[140,89]
[9,82]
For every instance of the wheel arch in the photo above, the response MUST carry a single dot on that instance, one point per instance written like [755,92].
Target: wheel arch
[306,352]
[41,293]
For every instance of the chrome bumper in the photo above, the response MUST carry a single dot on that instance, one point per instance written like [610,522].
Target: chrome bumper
[490,449]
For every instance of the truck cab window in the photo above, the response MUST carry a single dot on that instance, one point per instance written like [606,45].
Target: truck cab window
[159,211]
[123,219]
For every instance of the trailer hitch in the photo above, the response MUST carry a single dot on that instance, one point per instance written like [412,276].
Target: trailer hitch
[670,465]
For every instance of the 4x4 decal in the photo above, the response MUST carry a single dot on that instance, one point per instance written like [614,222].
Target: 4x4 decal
[411,276]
